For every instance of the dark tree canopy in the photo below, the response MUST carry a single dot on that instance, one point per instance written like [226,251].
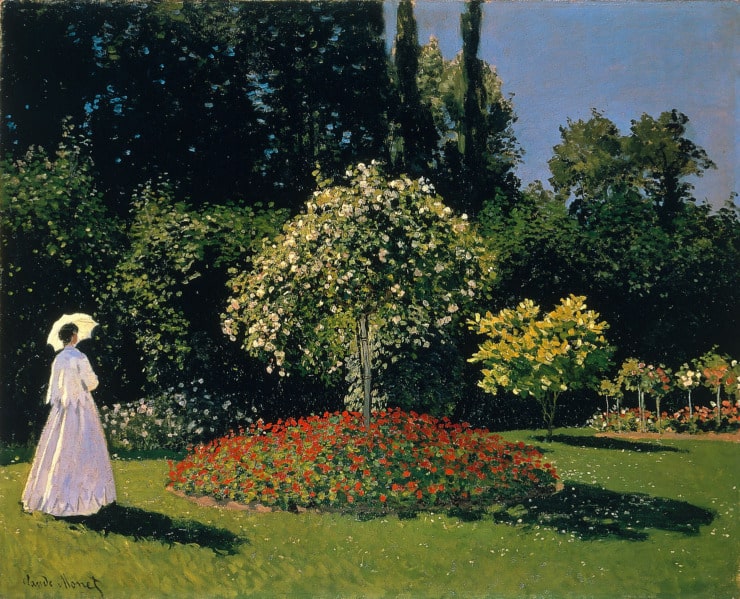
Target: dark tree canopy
[229,100]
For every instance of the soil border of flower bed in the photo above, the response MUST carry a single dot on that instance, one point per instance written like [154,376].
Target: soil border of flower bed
[230,504]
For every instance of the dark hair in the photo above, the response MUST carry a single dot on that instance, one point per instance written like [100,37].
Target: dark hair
[66,331]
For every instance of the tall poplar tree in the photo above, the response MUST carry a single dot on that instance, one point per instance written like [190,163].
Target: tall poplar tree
[414,147]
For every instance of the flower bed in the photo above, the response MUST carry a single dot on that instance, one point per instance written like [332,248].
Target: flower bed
[700,419]
[405,461]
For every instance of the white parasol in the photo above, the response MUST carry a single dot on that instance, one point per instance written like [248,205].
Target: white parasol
[85,325]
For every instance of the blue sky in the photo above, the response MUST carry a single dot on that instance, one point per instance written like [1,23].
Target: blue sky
[560,59]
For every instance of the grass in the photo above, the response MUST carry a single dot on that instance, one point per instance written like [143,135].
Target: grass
[635,519]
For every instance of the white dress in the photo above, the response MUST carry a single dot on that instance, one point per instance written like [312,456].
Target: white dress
[71,473]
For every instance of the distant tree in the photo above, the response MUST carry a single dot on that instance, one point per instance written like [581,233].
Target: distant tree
[473,130]
[478,151]
[594,160]
[487,141]
[542,357]
[370,266]
[588,162]
[661,157]
[414,148]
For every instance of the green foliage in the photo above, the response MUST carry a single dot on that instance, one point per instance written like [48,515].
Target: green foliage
[231,101]
[412,139]
[176,418]
[564,350]
[476,160]
[389,250]
[662,157]
[536,246]
[593,160]
[155,287]
[430,380]
[667,294]
[588,161]
[58,243]
[56,228]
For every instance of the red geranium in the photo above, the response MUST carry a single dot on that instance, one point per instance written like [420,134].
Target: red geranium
[405,460]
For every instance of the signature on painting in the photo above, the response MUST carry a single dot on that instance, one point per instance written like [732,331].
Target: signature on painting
[63,582]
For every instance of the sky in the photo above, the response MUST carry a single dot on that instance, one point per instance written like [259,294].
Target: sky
[561,59]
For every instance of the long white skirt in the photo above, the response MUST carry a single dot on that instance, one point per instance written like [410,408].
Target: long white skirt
[71,473]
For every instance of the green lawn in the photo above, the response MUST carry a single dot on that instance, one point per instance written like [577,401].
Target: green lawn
[635,519]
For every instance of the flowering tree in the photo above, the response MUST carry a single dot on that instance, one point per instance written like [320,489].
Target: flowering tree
[659,380]
[646,379]
[563,350]
[688,379]
[719,371]
[374,263]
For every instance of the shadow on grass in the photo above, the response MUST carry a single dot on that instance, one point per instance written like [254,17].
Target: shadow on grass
[591,512]
[609,443]
[143,525]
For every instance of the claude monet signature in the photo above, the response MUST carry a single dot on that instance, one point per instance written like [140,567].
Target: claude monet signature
[64,583]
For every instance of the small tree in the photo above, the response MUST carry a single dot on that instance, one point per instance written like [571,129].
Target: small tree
[646,379]
[718,371]
[659,385]
[609,389]
[542,357]
[375,263]
[688,379]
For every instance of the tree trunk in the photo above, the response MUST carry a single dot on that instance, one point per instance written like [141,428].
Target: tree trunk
[365,366]
[548,413]
[691,410]
[719,408]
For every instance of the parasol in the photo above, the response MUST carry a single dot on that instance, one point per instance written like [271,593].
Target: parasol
[85,325]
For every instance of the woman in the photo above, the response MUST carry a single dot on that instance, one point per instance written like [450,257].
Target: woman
[71,473]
